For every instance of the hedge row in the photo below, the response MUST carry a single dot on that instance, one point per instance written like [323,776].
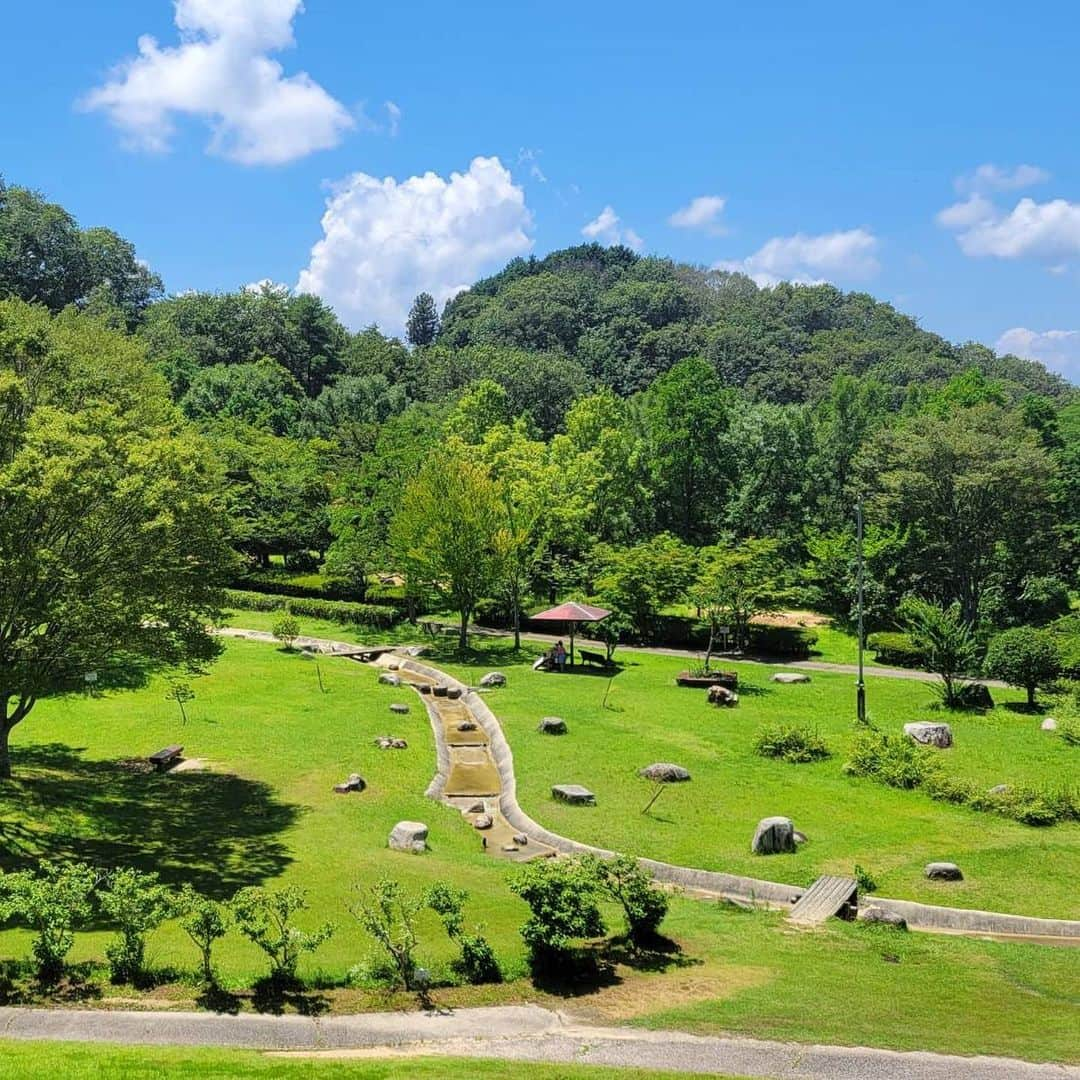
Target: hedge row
[377,615]
[893,647]
[272,585]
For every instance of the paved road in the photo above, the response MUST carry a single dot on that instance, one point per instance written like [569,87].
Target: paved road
[511,1033]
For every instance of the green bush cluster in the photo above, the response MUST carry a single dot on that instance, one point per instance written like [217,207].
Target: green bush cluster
[898,762]
[376,615]
[794,642]
[796,743]
[894,647]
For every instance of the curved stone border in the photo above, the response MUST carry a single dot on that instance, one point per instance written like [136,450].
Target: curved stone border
[929,917]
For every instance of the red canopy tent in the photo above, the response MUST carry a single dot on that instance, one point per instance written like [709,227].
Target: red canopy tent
[572,613]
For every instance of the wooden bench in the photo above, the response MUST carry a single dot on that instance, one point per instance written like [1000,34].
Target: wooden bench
[163,759]
[599,659]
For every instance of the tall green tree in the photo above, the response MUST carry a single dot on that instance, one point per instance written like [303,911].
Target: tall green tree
[112,536]
[444,534]
[422,326]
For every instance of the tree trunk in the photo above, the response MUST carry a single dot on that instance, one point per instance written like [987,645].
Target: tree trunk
[463,635]
[5,753]
[708,651]
[1031,695]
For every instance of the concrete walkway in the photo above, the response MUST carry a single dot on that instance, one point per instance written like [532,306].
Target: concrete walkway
[511,1033]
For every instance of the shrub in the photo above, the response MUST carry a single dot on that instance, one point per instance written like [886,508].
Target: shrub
[790,742]
[374,615]
[286,630]
[623,881]
[264,917]
[477,962]
[947,641]
[562,896]
[55,901]
[205,921]
[788,641]
[137,903]
[894,647]
[388,913]
[1069,730]
[892,760]
[1024,657]
[864,879]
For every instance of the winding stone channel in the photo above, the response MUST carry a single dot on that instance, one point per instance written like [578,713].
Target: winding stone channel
[475,768]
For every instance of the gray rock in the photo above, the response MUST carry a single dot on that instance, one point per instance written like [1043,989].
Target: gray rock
[439,690]
[509,847]
[552,725]
[943,871]
[663,772]
[1000,789]
[493,678]
[409,836]
[453,692]
[882,917]
[354,783]
[393,666]
[390,742]
[399,708]
[466,725]
[477,807]
[789,677]
[520,839]
[976,696]
[800,838]
[930,733]
[1049,724]
[423,688]
[388,678]
[721,695]
[573,793]
[483,821]
[773,836]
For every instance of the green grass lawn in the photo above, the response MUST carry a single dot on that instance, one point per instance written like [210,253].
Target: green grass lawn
[264,812]
[81,1061]
[709,822]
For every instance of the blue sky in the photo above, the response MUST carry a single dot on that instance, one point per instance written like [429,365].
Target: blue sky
[822,142]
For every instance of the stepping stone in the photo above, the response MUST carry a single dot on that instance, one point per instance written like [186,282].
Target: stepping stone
[388,678]
[409,836]
[573,793]
[552,725]
[484,821]
[399,708]
[943,871]
[423,688]
[929,733]
[789,677]
[440,690]
[477,808]
[466,725]
[493,678]
[520,839]
[773,836]
[389,742]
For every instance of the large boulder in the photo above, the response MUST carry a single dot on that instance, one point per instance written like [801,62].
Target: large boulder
[883,917]
[721,695]
[976,695]
[493,678]
[663,772]
[552,725]
[483,821]
[774,836]
[355,783]
[409,836]
[388,678]
[789,677]
[943,871]
[930,733]
[573,793]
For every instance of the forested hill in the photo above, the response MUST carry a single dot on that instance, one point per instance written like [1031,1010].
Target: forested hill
[627,319]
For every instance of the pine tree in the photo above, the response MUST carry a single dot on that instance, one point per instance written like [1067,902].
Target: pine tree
[423,322]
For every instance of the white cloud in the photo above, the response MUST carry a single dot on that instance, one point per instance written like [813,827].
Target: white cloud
[699,213]
[1049,230]
[990,177]
[386,240]
[393,117]
[608,228]
[221,73]
[1057,349]
[810,260]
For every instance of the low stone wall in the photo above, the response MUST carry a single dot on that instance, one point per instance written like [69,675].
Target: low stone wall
[971,921]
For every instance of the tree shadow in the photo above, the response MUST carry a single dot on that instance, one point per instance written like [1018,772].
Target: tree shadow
[657,954]
[576,972]
[214,831]
[274,995]
[217,999]
[1023,708]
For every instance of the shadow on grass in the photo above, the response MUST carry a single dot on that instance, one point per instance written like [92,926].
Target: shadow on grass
[215,831]
[576,973]
[1023,708]
[275,995]
[658,954]
[215,998]
[19,985]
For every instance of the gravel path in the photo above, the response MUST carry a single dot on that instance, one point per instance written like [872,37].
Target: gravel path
[511,1033]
